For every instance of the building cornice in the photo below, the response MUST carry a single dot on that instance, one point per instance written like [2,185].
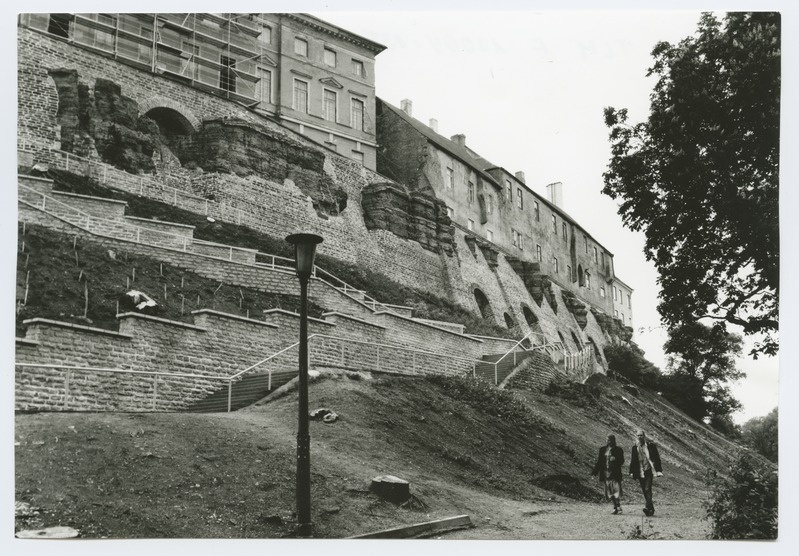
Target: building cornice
[335,31]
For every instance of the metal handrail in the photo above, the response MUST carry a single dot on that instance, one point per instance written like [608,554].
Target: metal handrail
[175,192]
[113,370]
[251,367]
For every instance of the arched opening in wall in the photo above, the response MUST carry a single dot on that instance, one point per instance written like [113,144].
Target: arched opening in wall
[483,305]
[597,355]
[531,319]
[175,131]
[562,339]
[508,321]
[577,341]
[580,275]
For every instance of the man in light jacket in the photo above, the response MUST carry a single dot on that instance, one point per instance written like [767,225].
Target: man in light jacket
[644,464]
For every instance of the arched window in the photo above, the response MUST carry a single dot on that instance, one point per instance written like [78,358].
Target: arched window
[595,348]
[580,276]
[529,316]
[509,320]
[482,304]
[577,341]
[562,339]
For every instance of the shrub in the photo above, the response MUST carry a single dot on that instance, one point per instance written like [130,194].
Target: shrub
[629,362]
[743,504]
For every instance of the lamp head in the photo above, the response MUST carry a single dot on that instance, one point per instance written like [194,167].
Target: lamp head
[304,250]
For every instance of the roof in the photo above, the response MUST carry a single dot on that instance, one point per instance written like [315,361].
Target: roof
[336,31]
[464,154]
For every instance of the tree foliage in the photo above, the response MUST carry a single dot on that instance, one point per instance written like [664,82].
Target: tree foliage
[629,361]
[760,433]
[700,177]
[743,503]
[701,365]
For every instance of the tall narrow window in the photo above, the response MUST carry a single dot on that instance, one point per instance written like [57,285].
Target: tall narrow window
[330,57]
[557,266]
[470,192]
[554,225]
[629,302]
[451,213]
[585,237]
[508,191]
[300,96]
[330,105]
[227,75]
[301,47]
[265,85]
[596,255]
[539,256]
[565,229]
[537,211]
[569,274]
[490,205]
[519,199]
[602,291]
[266,35]
[356,114]
[357,68]
[470,225]
[450,179]
[489,235]
[588,280]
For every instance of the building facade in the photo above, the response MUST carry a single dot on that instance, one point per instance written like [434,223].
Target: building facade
[498,207]
[311,76]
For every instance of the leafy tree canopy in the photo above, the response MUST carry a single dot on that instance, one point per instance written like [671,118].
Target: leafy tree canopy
[700,177]
[701,360]
[761,434]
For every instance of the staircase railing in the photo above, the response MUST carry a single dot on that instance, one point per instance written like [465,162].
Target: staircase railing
[179,198]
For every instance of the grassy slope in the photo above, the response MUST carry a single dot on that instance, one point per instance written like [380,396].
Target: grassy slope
[232,475]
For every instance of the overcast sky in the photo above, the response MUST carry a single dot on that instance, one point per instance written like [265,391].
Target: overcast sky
[528,89]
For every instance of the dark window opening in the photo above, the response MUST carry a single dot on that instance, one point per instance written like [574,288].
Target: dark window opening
[509,321]
[59,25]
[227,75]
[482,304]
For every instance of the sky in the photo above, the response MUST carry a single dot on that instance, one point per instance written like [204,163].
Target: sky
[528,88]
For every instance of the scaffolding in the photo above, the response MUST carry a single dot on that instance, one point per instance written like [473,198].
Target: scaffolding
[220,53]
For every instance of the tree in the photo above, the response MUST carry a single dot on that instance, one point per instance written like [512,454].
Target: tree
[700,177]
[760,433]
[701,361]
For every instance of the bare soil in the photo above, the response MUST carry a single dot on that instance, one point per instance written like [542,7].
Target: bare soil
[517,463]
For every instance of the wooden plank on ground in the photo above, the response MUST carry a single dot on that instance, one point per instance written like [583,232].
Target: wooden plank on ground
[427,528]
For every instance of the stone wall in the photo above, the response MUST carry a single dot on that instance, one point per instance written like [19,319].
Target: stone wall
[537,372]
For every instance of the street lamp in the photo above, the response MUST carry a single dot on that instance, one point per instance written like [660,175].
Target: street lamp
[304,249]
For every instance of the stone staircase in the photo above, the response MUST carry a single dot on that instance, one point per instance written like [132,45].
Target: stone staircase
[353,315]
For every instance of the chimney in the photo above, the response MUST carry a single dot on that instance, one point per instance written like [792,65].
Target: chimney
[520,176]
[555,193]
[460,139]
[434,124]
[407,106]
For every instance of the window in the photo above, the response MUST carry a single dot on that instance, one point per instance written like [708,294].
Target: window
[300,96]
[330,103]
[622,319]
[603,259]
[227,75]
[517,239]
[616,313]
[569,272]
[451,213]
[596,255]
[539,256]
[357,68]
[557,266]
[266,35]
[565,238]
[554,225]
[356,114]
[470,192]
[508,191]
[602,291]
[301,47]
[629,302]
[588,280]
[191,69]
[490,204]
[615,294]
[330,57]
[265,84]
[519,199]
[490,235]
[585,237]
[450,179]
[537,211]
[357,155]
[470,225]
[59,24]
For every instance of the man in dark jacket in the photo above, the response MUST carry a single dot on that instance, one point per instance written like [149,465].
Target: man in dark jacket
[644,462]
[608,467]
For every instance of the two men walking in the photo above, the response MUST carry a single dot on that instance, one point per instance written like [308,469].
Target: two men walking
[644,465]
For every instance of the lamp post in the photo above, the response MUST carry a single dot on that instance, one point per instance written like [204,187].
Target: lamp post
[304,249]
